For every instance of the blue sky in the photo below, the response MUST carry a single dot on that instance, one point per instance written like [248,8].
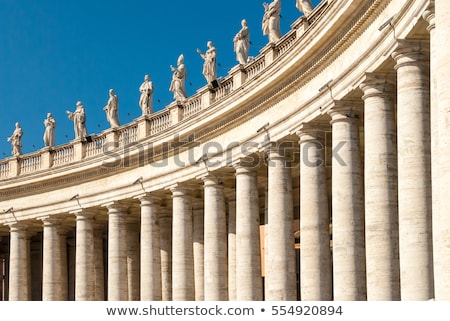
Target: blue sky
[56,52]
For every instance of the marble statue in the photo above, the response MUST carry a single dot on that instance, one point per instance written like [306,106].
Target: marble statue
[146,99]
[209,65]
[304,6]
[112,109]
[49,134]
[177,86]
[79,121]
[242,43]
[16,140]
[271,20]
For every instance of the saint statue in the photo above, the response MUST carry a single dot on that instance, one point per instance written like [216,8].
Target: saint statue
[304,6]
[271,20]
[79,121]
[49,134]
[112,109]
[209,65]
[177,86]
[16,140]
[145,100]
[242,43]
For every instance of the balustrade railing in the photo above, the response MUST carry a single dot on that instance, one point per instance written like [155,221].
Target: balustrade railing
[63,155]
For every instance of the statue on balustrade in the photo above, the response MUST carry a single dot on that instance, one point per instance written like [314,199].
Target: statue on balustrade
[146,99]
[49,134]
[271,20]
[242,43]
[16,140]
[177,86]
[304,6]
[79,121]
[112,109]
[209,65]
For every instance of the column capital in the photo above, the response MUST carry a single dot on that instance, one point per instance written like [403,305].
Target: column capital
[411,52]
[18,226]
[429,16]
[313,132]
[50,220]
[82,214]
[378,85]
[115,207]
[148,199]
[246,164]
[180,190]
[212,180]
[345,111]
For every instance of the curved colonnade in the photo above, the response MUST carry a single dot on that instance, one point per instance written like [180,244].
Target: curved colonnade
[323,142]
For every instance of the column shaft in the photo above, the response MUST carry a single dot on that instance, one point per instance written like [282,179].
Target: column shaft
[133,259]
[216,282]
[150,250]
[182,253]
[315,254]
[383,271]
[165,221]
[414,171]
[280,274]
[84,257]
[248,251]
[51,269]
[117,254]
[349,273]
[199,253]
[232,247]
[18,264]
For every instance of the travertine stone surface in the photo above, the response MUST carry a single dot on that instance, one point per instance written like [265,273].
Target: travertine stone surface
[85,257]
[315,254]
[51,268]
[182,253]
[248,252]
[117,253]
[231,202]
[380,173]
[165,221]
[349,267]
[151,286]
[414,170]
[19,287]
[199,250]
[280,275]
[215,225]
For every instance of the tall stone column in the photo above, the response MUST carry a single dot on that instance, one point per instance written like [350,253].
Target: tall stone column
[165,221]
[199,250]
[36,268]
[150,249]
[133,258]
[64,266]
[99,267]
[19,289]
[231,202]
[380,173]
[51,269]
[441,70]
[216,281]
[280,274]
[349,268]
[315,254]
[414,170]
[117,253]
[248,251]
[182,252]
[84,256]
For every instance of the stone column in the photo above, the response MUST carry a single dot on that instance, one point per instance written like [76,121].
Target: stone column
[64,265]
[440,63]
[280,274]
[70,260]
[133,258]
[150,249]
[231,197]
[18,263]
[315,254]
[117,253]
[51,269]
[414,170]
[199,251]
[380,173]
[165,221]
[216,281]
[36,268]
[84,257]
[182,252]
[349,268]
[99,267]
[248,251]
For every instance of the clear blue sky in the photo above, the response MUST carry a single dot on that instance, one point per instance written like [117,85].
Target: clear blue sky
[56,52]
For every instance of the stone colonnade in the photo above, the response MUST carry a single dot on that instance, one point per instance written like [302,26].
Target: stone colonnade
[381,236]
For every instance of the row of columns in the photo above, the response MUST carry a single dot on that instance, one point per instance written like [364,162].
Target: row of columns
[381,216]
